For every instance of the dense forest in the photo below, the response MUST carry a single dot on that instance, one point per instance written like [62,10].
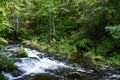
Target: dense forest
[74,28]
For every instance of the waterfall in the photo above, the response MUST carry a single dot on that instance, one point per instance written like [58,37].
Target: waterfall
[35,63]
[43,65]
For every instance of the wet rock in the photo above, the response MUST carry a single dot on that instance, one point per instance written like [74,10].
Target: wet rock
[57,70]
[12,47]
[16,72]
[75,74]
[16,59]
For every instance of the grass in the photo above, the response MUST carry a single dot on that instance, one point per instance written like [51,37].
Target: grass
[115,58]
[100,60]
[5,63]
[64,48]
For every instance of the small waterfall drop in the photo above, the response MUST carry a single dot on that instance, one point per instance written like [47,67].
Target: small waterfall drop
[42,66]
[35,63]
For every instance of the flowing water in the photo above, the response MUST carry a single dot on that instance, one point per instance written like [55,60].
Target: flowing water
[41,66]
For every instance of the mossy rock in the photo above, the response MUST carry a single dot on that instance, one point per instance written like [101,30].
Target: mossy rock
[21,53]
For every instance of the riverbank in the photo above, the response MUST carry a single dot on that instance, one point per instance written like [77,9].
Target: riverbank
[79,68]
[96,59]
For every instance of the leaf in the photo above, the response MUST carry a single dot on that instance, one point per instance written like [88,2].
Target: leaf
[2,40]
[114,31]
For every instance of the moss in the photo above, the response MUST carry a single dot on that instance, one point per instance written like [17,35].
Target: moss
[100,60]
[21,52]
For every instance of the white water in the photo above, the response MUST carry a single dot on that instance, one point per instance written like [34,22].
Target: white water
[33,64]
[115,76]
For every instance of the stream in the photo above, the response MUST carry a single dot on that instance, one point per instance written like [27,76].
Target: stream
[42,66]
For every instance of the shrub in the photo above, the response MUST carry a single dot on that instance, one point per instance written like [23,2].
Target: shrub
[106,46]
[5,63]
[114,31]
[115,59]
[3,41]
[32,43]
[85,43]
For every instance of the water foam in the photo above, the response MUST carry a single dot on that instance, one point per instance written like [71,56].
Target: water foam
[33,64]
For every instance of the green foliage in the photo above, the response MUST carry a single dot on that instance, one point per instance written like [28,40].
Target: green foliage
[24,34]
[85,43]
[91,54]
[106,46]
[99,59]
[64,46]
[5,63]
[33,43]
[2,40]
[61,25]
[115,59]
[114,31]
[5,27]
[61,47]
[21,52]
